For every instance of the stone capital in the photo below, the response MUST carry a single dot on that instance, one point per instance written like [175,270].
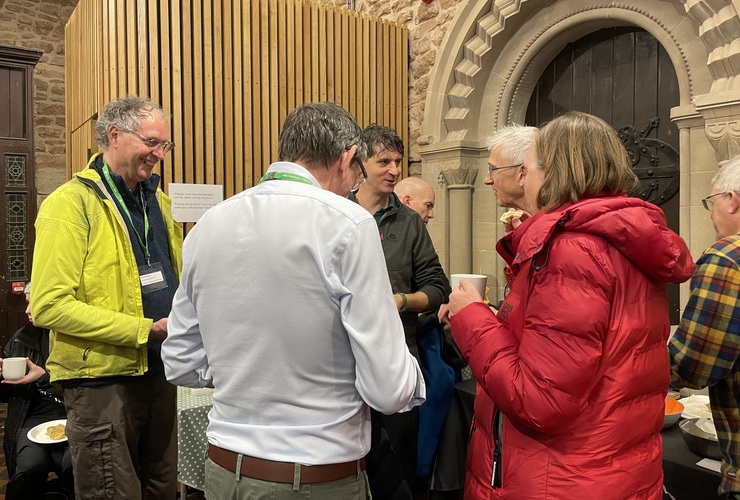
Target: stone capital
[721,112]
[459,174]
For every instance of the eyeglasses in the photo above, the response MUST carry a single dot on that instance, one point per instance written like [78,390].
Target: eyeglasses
[708,202]
[152,143]
[492,169]
[363,173]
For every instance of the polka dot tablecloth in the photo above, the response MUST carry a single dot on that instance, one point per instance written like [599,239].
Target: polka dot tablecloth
[193,406]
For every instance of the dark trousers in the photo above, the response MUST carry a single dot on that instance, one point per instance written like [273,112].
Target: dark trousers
[33,463]
[391,463]
[123,439]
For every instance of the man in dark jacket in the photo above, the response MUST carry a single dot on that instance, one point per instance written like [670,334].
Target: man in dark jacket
[418,281]
[32,401]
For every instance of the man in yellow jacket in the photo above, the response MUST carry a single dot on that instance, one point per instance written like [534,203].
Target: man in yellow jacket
[107,261]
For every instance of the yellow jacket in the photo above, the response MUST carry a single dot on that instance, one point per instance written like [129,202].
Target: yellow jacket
[86,286]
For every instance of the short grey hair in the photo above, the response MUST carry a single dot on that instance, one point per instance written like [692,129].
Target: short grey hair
[27,290]
[125,113]
[316,134]
[728,176]
[513,142]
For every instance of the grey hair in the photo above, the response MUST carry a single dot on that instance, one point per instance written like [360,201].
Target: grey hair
[27,290]
[513,141]
[125,113]
[728,176]
[316,134]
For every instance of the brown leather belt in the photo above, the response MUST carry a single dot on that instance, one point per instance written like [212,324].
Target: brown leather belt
[283,472]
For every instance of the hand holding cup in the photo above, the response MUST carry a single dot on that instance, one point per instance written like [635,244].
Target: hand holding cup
[465,292]
[13,368]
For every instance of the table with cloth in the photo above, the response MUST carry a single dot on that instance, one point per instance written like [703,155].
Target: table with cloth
[683,478]
[193,406]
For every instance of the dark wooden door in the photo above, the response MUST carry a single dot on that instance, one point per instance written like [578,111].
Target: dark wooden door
[624,76]
[17,197]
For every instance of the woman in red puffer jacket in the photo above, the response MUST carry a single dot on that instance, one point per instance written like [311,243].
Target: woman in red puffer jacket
[572,372]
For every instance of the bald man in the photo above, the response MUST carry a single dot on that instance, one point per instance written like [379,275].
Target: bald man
[418,195]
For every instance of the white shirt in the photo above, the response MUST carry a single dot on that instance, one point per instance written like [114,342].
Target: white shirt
[285,304]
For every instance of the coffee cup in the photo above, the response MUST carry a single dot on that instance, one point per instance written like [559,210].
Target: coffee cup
[478,281]
[14,368]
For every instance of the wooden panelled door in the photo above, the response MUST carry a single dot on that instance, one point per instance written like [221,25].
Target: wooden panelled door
[625,77]
[17,193]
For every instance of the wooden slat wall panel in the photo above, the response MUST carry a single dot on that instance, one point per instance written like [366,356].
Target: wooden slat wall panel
[85,76]
[228,73]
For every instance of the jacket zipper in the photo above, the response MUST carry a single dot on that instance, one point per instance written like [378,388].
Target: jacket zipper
[498,431]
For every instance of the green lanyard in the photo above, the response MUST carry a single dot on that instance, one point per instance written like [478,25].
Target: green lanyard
[284,176]
[145,244]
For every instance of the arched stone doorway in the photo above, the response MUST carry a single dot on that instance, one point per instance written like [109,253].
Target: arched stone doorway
[495,52]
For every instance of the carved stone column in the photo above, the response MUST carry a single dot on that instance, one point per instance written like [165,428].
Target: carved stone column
[698,166]
[459,175]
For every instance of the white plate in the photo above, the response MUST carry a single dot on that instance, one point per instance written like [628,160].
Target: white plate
[38,434]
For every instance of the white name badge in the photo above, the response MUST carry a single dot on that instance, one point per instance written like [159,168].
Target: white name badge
[152,277]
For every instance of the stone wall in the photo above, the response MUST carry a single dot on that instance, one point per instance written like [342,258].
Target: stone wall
[39,25]
[427,25]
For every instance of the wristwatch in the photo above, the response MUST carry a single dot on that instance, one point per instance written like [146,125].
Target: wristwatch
[404,301]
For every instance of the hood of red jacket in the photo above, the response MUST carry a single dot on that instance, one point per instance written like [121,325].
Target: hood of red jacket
[634,227]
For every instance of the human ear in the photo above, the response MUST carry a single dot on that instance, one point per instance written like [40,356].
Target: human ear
[734,201]
[345,160]
[521,174]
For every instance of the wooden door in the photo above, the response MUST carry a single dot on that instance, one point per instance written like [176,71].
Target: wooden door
[17,195]
[624,76]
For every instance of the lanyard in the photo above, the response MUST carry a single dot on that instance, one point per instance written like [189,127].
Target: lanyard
[284,176]
[145,244]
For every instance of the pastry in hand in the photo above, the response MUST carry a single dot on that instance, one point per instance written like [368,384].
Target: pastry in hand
[56,432]
[512,213]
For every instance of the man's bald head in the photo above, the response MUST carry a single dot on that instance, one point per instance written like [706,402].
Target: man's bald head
[418,195]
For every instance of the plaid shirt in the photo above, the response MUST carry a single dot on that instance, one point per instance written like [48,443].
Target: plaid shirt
[705,349]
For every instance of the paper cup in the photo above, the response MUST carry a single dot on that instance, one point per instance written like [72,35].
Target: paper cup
[14,368]
[478,281]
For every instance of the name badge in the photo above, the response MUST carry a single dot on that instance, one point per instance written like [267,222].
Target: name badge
[152,277]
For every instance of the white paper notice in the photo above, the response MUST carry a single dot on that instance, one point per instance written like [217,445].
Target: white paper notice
[190,201]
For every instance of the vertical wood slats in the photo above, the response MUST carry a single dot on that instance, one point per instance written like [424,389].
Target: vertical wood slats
[228,73]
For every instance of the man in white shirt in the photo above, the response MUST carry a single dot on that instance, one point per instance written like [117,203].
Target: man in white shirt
[281,309]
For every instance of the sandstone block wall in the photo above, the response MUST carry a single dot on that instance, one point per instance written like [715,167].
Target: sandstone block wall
[39,24]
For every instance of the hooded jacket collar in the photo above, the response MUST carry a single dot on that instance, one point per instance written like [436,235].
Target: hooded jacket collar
[634,227]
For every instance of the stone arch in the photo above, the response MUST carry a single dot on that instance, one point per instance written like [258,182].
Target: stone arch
[471,66]
[719,29]
[534,54]
[491,59]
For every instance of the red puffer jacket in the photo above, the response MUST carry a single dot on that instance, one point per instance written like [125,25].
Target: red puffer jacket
[574,370]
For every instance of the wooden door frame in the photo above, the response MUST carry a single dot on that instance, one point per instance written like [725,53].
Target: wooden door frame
[12,306]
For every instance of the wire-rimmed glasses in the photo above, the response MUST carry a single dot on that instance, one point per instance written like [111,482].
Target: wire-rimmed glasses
[152,143]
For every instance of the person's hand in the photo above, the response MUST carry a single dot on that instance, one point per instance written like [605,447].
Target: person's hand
[443,315]
[516,222]
[462,296]
[159,330]
[35,372]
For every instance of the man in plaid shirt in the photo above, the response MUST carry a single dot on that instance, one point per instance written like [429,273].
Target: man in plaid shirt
[705,351]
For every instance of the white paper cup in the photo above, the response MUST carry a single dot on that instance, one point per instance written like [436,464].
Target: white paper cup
[478,281]
[14,368]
